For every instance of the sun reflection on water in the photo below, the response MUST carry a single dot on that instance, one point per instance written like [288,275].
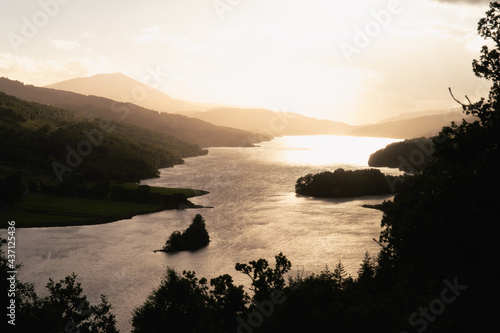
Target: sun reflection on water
[323,150]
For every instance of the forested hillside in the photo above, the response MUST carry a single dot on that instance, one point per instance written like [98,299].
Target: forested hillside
[187,129]
[66,143]
[408,155]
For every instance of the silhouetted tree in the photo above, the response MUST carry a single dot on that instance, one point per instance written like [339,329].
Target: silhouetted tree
[65,309]
[366,272]
[179,304]
[340,274]
[446,225]
[184,303]
[264,278]
[193,238]
[229,302]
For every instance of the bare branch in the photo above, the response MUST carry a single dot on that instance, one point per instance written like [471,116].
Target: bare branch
[378,243]
[456,100]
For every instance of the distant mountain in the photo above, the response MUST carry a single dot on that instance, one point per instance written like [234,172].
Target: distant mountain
[405,126]
[271,122]
[121,88]
[424,126]
[184,128]
[417,114]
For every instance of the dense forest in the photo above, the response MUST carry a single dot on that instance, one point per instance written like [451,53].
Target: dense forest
[435,271]
[350,183]
[408,155]
[66,144]
[191,130]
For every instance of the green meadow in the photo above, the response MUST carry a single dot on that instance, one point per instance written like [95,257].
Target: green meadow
[46,210]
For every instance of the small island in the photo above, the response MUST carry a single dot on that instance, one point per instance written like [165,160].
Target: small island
[193,238]
[350,183]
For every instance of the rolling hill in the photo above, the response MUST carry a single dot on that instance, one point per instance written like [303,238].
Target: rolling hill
[271,122]
[409,128]
[121,88]
[184,128]
[62,141]
[405,126]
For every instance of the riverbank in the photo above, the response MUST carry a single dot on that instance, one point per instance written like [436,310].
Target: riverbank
[48,210]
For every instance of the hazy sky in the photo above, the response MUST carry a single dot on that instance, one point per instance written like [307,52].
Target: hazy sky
[356,61]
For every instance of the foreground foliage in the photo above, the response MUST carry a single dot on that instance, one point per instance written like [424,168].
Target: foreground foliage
[65,309]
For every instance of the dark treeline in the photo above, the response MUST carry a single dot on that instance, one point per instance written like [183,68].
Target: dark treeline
[12,189]
[350,183]
[65,309]
[408,155]
[66,144]
[103,190]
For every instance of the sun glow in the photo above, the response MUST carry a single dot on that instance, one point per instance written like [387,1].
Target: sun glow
[326,150]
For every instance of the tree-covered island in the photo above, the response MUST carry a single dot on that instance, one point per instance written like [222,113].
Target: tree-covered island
[193,238]
[349,183]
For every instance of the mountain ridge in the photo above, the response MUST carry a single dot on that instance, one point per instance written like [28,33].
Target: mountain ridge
[268,122]
[122,88]
[188,129]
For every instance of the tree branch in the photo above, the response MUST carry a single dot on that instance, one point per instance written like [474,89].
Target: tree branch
[456,100]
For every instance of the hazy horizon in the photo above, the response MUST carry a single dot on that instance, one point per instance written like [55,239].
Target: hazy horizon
[358,62]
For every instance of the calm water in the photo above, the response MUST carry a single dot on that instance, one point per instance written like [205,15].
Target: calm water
[255,214]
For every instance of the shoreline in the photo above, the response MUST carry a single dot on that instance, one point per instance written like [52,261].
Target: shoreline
[46,211]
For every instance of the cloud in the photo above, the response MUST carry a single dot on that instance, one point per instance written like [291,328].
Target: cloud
[154,34]
[44,71]
[148,35]
[65,44]
[87,34]
[438,30]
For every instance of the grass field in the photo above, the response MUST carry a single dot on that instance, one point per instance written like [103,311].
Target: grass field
[189,193]
[47,210]
[44,210]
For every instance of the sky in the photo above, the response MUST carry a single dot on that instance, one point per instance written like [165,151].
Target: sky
[356,61]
